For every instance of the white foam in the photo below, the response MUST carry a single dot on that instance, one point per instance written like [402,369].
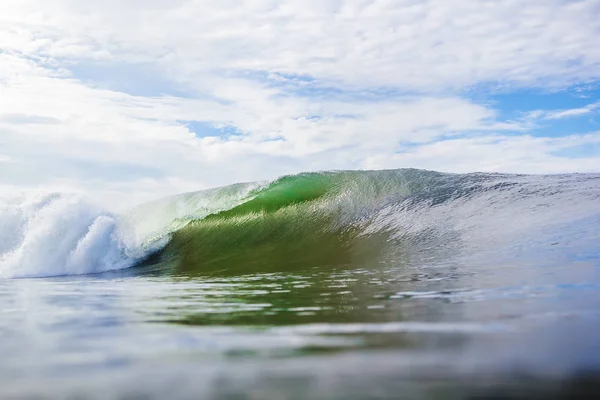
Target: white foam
[58,234]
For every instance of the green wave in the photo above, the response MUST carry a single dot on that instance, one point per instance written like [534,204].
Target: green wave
[284,192]
[310,220]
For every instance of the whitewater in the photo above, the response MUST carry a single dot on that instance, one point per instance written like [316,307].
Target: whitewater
[303,279]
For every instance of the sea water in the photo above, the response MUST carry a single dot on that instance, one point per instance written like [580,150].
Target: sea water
[335,285]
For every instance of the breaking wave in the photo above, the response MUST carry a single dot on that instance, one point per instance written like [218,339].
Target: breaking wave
[310,220]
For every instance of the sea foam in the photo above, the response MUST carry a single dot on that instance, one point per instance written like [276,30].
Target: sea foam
[58,234]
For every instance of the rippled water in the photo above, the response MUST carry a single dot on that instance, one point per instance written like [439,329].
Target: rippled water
[308,334]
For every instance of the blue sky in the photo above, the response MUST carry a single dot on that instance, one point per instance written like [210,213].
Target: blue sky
[129,100]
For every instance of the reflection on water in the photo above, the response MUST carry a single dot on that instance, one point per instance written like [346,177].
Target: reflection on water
[339,333]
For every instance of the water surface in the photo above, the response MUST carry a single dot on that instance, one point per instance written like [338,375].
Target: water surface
[363,285]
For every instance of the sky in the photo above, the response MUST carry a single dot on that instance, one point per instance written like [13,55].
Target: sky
[131,100]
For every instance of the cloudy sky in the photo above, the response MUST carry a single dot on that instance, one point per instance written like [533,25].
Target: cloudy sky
[130,100]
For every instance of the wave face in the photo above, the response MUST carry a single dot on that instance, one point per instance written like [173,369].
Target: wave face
[311,220]
[367,218]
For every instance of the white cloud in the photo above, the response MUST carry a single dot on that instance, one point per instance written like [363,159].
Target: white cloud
[405,43]
[573,112]
[303,83]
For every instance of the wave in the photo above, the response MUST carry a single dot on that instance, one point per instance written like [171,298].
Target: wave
[309,220]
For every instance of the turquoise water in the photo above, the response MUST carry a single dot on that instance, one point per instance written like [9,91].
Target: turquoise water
[332,285]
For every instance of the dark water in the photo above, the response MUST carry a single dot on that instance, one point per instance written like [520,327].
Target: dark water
[435,286]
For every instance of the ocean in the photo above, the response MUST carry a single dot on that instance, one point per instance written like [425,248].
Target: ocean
[330,285]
